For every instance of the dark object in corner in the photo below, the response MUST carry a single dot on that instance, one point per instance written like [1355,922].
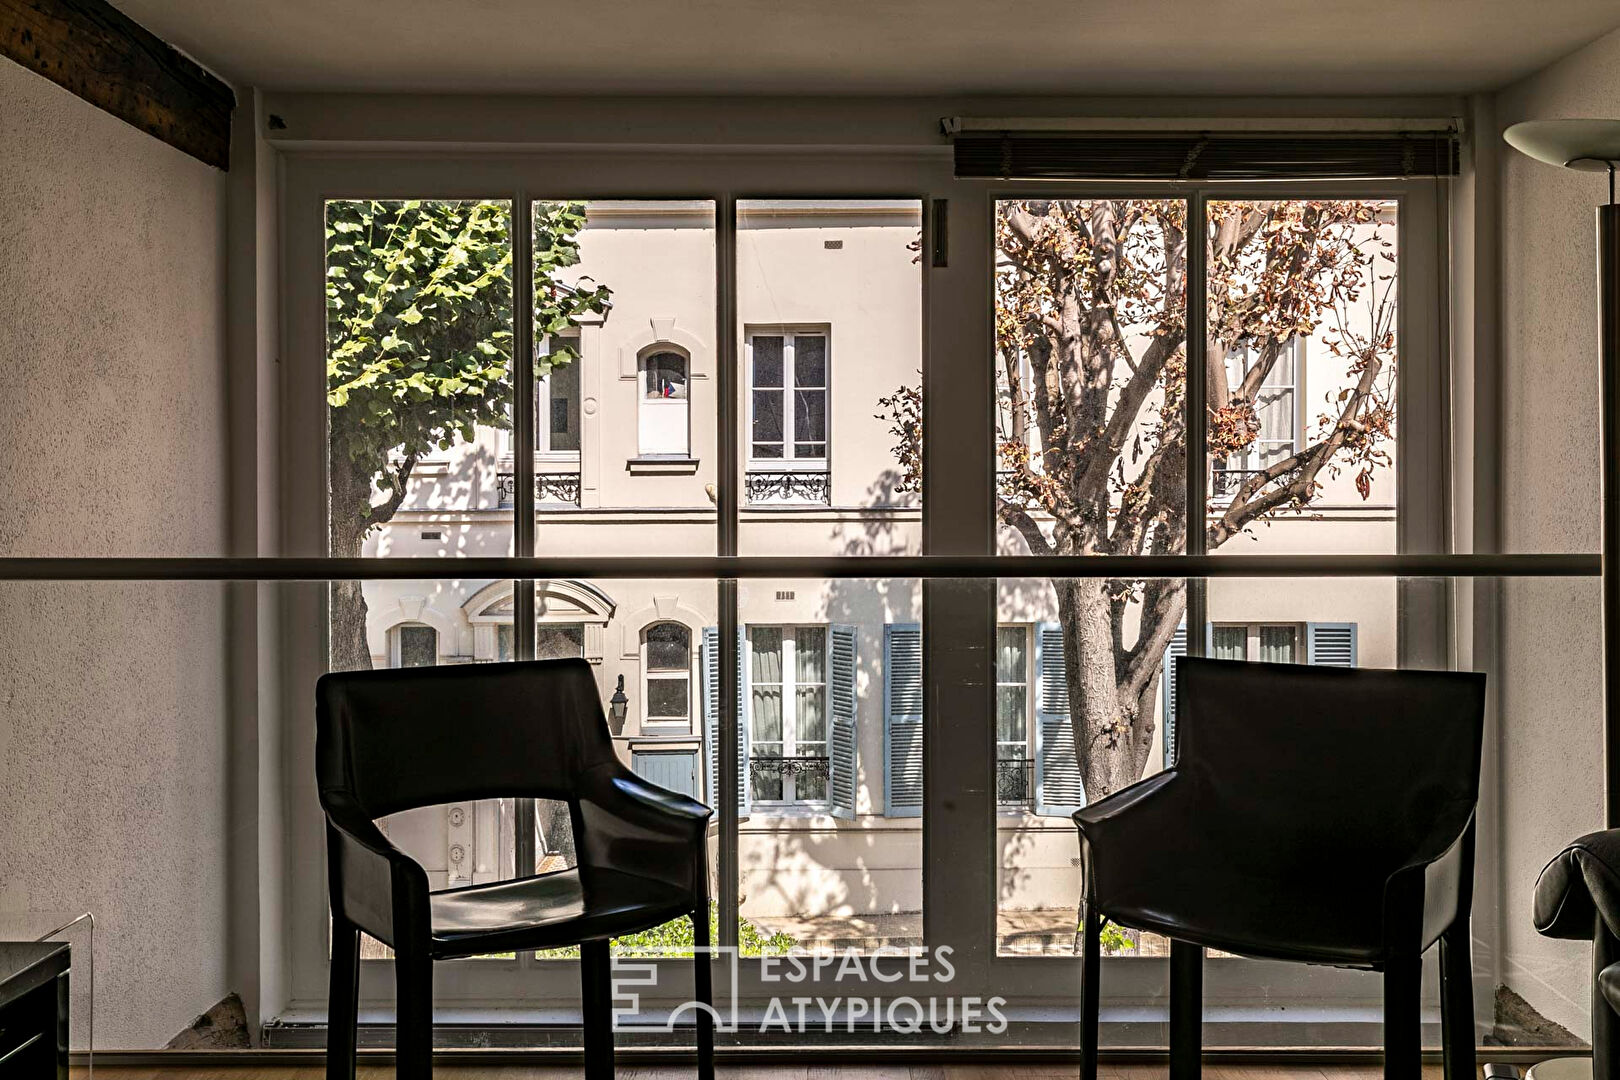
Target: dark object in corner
[1519,1024]
[102,55]
[1313,814]
[1578,898]
[224,1027]
[34,1009]
[394,740]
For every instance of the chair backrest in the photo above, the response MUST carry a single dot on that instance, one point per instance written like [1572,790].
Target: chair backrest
[1378,764]
[399,739]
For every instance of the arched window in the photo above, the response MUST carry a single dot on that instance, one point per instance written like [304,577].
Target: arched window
[667,668]
[415,645]
[663,418]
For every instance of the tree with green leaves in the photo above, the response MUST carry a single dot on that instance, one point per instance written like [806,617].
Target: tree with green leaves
[419,351]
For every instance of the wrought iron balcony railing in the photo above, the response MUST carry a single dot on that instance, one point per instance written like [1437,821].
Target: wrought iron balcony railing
[550,489]
[1015,781]
[769,766]
[765,487]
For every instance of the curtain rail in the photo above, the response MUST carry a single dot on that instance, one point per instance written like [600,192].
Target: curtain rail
[837,567]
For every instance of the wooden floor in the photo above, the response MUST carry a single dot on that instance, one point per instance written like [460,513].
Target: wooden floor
[761,1072]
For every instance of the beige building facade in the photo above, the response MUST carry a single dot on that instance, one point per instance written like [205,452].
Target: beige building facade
[830,312]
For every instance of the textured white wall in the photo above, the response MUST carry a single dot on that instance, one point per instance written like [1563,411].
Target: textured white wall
[1551,722]
[112,697]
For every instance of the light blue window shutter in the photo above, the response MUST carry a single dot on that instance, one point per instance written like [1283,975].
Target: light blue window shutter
[1059,791]
[1331,644]
[711,717]
[1178,647]
[842,734]
[902,720]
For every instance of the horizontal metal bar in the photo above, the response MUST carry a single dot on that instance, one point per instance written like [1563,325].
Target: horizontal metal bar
[1225,125]
[843,568]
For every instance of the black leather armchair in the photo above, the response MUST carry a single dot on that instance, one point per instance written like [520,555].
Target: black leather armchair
[1578,896]
[388,741]
[1314,814]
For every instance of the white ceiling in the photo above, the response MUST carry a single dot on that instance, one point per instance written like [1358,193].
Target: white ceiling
[1144,47]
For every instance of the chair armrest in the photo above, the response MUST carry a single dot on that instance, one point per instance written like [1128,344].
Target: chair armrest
[372,883]
[1115,830]
[1580,882]
[636,826]
[1436,884]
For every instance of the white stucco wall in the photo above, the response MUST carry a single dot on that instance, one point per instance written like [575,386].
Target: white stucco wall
[1551,720]
[112,697]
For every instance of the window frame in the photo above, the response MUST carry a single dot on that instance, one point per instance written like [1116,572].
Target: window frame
[666,725]
[789,743]
[1020,807]
[789,333]
[542,393]
[644,402]
[959,473]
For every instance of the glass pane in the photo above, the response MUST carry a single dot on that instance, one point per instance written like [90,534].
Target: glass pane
[1090,357]
[829,306]
[1303,314]
[765,679]
[768,426]
[809,422]
[1277,644]
[809,360]
[562,408]
[664,377]
[418,646]
[668,647]
[558,641]
[767,366]
[667,698]
[624,322]
[1229,642]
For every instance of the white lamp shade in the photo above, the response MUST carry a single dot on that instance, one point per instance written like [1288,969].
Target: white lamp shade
[1588,145]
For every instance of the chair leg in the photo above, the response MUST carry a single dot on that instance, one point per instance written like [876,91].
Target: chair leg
[413,1014]
[595,979]
[1457,1001]
[1186,1010]
[343,1000]
[1403,1050]
[1090,988]
[1605,1024]
[702,976]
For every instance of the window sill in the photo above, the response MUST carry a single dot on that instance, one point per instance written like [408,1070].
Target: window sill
[661,466]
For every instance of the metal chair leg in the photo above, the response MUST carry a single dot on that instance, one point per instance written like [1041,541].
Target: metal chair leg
[1457,1001]
[343,1000]
[597,999]
[1186,1010]
[1605,1024]
[702,981]
[1090,988]
[1403,1049]
[413,1014]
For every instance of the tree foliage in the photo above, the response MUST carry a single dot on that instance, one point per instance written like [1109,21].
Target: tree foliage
[1090,336]
[419,349]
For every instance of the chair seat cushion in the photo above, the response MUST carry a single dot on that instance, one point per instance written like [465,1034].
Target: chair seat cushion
[550,910]
[1309,918]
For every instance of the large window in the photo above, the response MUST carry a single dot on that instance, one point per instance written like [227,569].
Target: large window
[787,415]
[1014,778]
[1276,393]
[787,680]
[558,392]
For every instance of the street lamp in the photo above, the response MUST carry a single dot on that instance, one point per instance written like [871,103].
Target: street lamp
[618,707]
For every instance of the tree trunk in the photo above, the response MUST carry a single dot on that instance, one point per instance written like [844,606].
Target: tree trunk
[350,494]
[1112,734]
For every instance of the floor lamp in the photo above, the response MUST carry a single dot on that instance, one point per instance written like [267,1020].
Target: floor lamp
[1594,146]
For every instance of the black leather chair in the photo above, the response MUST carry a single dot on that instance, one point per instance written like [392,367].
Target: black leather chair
[388,741]
[1578,896]
[1316,814]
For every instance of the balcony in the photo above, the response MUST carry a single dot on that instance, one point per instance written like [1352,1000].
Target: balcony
[550,489]
[788,487]
[1015,781]
[771,767]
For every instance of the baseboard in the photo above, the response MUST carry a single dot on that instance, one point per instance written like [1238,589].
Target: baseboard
[822,1055]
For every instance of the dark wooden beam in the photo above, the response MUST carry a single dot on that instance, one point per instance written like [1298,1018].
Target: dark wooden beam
[114,63]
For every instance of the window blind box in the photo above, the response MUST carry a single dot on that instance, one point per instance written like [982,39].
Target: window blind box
[1206,155]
